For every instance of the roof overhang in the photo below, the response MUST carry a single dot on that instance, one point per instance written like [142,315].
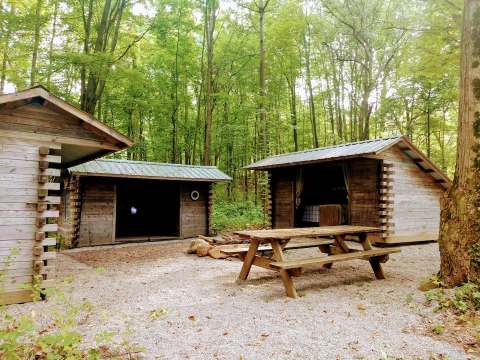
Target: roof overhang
[402,142]
[141,177]
[74,150]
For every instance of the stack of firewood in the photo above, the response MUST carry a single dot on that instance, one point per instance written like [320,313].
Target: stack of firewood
[212,246]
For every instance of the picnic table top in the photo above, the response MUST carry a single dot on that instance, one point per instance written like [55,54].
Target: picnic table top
[285,234]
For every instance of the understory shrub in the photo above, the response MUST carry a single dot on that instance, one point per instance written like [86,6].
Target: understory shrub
[53,334]
[462,299]
[229,215]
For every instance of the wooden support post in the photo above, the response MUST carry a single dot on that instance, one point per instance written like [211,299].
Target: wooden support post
[326,249]
[248,261]
[375,261]
[285,274]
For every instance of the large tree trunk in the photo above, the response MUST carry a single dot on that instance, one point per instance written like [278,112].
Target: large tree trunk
[211,20]
[459,240]
[262,6]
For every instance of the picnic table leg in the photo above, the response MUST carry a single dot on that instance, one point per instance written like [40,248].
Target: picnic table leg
[248,260]
[375,261]
[326,250]
[284,274]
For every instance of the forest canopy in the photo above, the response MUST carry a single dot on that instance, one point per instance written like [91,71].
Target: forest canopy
[228,82]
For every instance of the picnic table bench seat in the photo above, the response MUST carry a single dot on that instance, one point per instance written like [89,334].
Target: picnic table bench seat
[294,244]
[335,250]
[322,260]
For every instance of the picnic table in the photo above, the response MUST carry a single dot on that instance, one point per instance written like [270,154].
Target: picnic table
[331,240]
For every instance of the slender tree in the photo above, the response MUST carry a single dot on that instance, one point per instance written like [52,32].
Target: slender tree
[459,240]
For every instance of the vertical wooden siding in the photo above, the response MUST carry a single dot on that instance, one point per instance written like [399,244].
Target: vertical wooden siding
[363,192]
[283,200]
[193,214]
[97,212]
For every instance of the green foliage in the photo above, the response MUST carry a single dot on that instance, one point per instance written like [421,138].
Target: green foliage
[236,215]
[400,56]
[438,328]
[474,253]
[463,299]
[54,334]
[432,282]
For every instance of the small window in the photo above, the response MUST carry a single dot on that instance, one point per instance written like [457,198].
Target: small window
[195,195]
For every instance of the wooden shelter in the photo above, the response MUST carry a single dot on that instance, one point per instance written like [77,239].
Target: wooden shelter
[115,201]
[40,134]
[385,183]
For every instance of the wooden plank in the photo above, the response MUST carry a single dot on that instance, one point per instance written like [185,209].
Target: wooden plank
[54,138]
[292,264]
[29,141]
[16,297]
[49,214]
[49,228]
[49,242]
[284,273]
[285,234]
[248,260]
[410,238]
[294,244]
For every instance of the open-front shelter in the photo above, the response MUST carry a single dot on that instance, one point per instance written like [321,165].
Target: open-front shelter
[114,201]
[386,183]
[40,134]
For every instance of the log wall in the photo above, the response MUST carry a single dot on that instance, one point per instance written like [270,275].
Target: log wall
[415,199]
[97,212]
[363,192]
[283,199]
[28,215]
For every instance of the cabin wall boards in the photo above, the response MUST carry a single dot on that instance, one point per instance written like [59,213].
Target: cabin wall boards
[386,183]
[415,201]
[28,213]
[176,209]
[40,135]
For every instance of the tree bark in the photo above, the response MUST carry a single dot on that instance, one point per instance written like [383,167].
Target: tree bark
[3,76]
[50,48]
[36,42]
[311,101]
[211,20]
[459,240]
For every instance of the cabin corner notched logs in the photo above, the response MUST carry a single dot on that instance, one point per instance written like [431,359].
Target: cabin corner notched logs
[28,216]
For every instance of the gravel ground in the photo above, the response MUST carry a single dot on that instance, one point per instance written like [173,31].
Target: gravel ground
[343,313]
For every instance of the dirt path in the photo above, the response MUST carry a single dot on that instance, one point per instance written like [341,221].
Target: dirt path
[343,313]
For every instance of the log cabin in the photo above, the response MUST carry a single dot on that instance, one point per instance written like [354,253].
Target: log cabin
[40,135]
[386,183]
[112,201]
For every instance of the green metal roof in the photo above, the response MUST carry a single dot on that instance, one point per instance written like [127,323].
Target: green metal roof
[328,153]
[149,170]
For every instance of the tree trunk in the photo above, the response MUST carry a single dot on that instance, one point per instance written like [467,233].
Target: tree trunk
[311,102]
[262,5]
[211,20]
[459,240]
[3,76]
[52,39]
[200,88]
[293,110]
[36,43]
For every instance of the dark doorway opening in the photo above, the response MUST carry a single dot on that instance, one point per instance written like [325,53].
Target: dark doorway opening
[147,209]
[324,194]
